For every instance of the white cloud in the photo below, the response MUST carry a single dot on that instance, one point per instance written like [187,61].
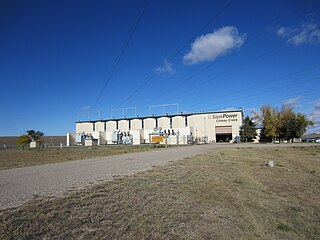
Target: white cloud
[212,45]
[310,33]
[166,67]
[307,33]
[285,32]
[294,102]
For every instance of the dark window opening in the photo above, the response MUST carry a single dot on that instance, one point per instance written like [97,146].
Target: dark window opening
[186,121]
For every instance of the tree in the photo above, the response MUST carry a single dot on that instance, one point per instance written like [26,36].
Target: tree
[23,140]
[284,125]
[286,121]
[35,135]
[297,126]
[248,130]
[269,120]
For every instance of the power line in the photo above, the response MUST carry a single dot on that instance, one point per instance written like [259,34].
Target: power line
[226,72]
[267,28]
[232,69]
[310,94]
[122,52]
[260,84]
[174,55]
[271,90]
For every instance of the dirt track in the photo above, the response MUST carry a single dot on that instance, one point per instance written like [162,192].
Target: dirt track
[22,184]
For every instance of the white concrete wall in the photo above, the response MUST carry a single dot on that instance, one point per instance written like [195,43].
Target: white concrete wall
[149,123]
[123,125]
[178,122]
[86,127]
[109,137]
[146,134]
[136,124]
[136,135]
[204,124]
[201,125]
[164,122]
[99,126]
[111,126]
[197,122]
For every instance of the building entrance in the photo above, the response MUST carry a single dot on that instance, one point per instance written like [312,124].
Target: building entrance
[223,133]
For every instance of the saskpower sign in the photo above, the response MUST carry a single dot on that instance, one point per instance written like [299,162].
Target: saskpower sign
[225,117]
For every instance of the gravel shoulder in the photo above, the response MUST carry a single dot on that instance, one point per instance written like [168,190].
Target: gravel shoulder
[22,184]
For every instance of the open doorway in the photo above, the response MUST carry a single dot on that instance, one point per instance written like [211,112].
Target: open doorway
[223,133]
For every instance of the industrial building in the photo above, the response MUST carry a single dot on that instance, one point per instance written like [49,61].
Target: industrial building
[183,128]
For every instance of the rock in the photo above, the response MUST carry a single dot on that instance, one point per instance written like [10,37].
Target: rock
[270,163]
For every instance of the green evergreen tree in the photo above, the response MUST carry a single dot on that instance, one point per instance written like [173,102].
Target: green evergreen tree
[248,130]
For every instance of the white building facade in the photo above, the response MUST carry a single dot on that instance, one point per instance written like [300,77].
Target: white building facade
[208,127]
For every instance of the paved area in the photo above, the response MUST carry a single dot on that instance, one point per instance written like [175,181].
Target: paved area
[22,184]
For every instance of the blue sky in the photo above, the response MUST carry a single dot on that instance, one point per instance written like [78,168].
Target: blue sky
[56,56]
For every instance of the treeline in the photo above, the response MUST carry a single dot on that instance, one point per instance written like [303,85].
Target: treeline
[285,124]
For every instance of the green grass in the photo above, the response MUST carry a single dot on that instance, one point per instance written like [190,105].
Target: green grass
[13,158]
[224,194]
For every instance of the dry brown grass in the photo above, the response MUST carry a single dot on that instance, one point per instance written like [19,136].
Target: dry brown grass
[13,158]
[225,194]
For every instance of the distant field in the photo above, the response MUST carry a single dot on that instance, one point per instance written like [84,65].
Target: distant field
[225,194]
[13,158]
[11,141]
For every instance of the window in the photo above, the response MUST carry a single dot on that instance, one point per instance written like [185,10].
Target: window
[156,122]
[142,124]
[117,125]
[94,126]
[129,124]
[105,126]
[186,121]
[170,122]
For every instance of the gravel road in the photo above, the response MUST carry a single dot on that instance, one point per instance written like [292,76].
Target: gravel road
[22,184]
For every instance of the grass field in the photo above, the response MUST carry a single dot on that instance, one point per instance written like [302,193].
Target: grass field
[13,158]
[225,194]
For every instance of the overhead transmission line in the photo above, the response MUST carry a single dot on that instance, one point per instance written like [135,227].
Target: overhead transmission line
[267,28]
[122,52]
[270,90]
[306,95]
[260,84]
[232,69]
[175,54]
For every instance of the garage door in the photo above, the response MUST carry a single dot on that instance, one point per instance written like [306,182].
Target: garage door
[224,130]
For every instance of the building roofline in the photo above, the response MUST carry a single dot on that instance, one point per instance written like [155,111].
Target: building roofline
[158,116]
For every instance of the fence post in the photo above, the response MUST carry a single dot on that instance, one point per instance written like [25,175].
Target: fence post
[166,138]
